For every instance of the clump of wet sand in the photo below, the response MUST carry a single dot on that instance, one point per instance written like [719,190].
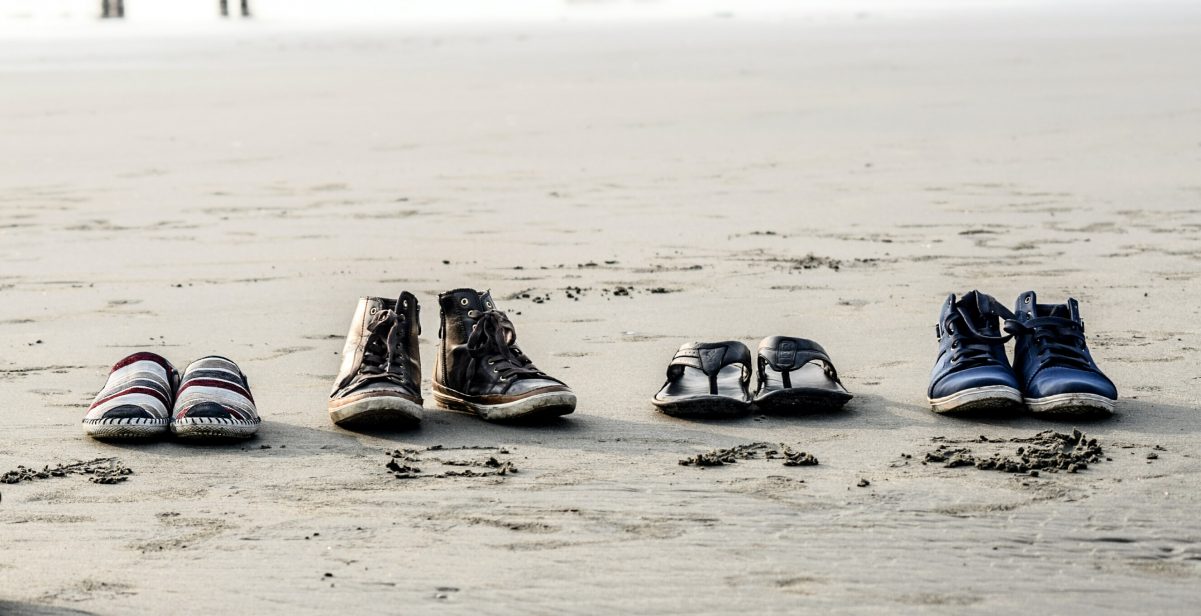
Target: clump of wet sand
[98,470]
[751,451]
[404,463]
[1047,451]
[575,293]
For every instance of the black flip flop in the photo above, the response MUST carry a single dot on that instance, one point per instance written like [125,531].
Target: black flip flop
[796,375]
[709,379]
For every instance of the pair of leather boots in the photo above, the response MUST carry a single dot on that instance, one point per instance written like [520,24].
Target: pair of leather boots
[479,368]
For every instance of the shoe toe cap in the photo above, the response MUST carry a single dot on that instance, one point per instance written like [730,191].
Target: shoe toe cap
[522,386]
[209,409]
[380,387]
[1054,381]
[127,411]
[216,410]
[984,376]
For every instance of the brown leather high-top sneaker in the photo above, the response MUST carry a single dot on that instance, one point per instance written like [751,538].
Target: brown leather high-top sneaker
[380,380]
[480,368]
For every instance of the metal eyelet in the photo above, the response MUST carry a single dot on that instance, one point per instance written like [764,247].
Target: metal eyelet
[1027,299]
[462,301]
[488,304]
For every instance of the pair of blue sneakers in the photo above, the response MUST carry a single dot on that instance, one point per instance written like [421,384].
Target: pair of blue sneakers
[1053,372]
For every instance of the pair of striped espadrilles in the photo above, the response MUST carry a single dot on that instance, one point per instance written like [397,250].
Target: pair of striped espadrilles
[146,397]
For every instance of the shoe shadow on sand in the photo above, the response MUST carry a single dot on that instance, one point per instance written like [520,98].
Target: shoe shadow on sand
[864,411]
[439,416]
[1134,415]
[441,421]
[272,435]
[596,430]
[17,608]
[868,411]
[1148,416]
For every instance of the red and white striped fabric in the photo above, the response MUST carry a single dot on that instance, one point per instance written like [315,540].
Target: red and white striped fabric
[214,401]
[135,400]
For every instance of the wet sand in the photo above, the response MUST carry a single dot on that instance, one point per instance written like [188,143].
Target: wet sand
[830,178]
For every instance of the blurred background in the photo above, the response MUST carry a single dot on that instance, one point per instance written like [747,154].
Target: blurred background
[376,12]
[373,11]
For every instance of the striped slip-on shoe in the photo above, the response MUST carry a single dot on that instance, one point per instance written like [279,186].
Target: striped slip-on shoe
[135,401]
[214,402]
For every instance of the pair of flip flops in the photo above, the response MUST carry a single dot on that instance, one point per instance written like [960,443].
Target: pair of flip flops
[713,379]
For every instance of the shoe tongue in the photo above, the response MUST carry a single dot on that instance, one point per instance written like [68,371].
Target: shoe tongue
[977,308]
[376,304]
[982,301]
[461,300]
[1070,310]
[486,300]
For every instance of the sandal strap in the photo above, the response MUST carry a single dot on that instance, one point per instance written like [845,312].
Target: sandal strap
[710,358]
[785,354]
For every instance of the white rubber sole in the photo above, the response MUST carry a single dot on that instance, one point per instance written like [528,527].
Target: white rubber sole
[378,411]
[1071,405]
[213,428]
[989,397]
[125,428]
[550,404]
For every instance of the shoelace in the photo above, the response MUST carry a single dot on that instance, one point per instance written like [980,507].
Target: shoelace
[1059,341]
[494,338]
[971,346]
[384,344]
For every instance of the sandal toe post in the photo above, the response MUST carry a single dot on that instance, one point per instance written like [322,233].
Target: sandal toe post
[797,375]
[709,379]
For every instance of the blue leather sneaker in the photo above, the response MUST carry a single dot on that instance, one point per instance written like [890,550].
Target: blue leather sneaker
[1057,373]
[972,372]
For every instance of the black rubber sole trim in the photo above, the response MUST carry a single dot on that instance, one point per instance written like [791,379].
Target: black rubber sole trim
[801,400]
[704,407]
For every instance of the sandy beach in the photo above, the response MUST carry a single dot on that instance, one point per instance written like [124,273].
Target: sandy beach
[235,189]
